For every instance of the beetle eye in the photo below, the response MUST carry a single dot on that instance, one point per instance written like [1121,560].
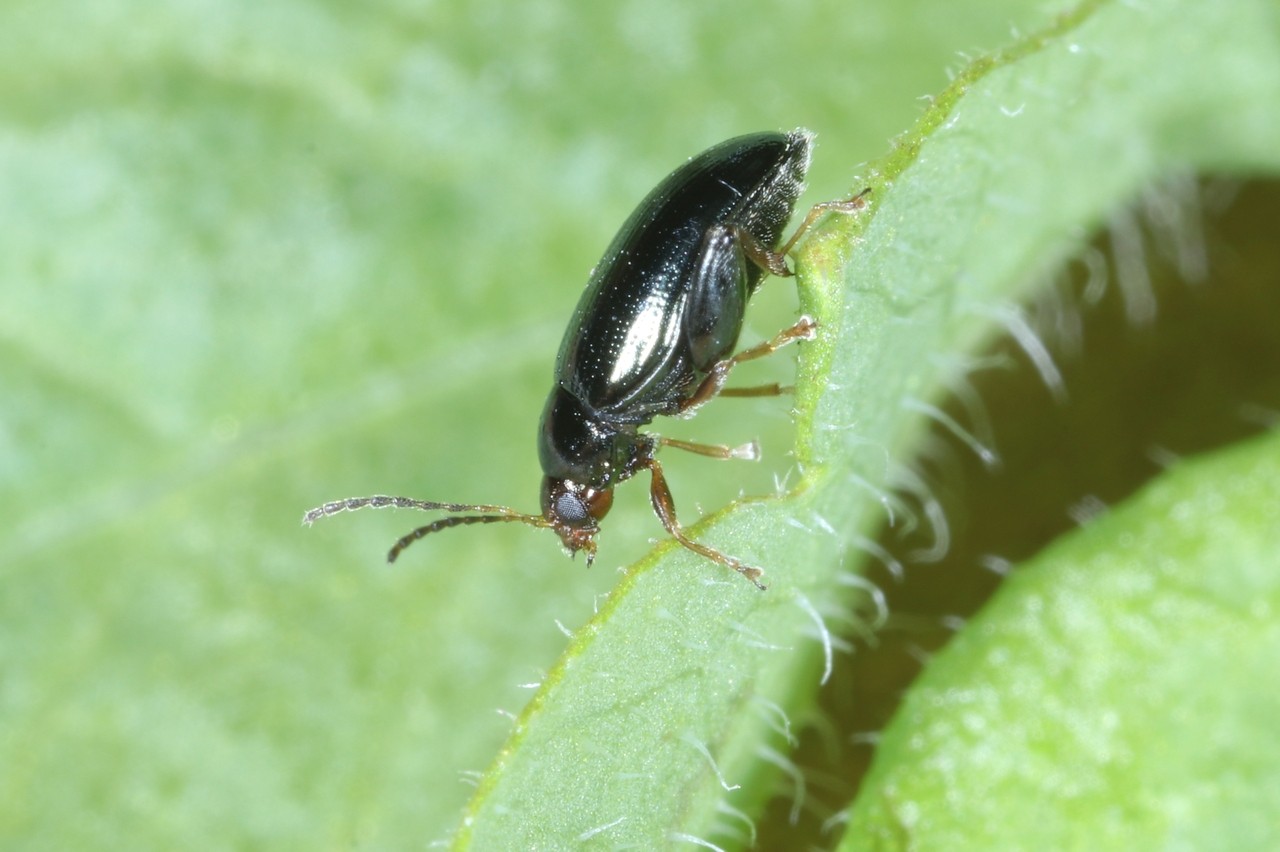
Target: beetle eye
[569,509]
[569,505]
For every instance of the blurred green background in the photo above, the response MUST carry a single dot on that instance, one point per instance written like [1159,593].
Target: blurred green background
[255,257]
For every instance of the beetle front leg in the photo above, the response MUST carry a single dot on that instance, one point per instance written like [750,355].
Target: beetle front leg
[665,508]
[712,385]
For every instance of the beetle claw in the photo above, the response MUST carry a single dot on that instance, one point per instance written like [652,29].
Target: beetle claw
[806,328]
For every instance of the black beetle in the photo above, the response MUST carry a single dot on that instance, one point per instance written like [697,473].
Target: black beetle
[652,335]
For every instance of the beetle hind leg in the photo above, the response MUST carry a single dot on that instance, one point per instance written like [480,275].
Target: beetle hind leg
[774,262]
[805,329]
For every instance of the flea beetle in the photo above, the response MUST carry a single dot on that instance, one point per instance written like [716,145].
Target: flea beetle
[653,335]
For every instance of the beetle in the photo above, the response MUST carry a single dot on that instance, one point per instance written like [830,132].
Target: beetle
[653,335]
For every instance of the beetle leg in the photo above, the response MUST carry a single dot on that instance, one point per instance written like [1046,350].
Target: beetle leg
[665,508]
[713,384]
[847,205]
[773,389]
[775,262]
[748,452]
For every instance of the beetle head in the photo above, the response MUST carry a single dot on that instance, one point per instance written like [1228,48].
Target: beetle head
[574,512]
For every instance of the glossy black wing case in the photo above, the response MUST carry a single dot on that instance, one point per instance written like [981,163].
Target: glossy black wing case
[623,351]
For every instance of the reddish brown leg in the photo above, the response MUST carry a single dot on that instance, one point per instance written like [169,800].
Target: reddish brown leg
[749,452]
[714,382]
[665,508]
[847,205]
[775,261]
[774,389]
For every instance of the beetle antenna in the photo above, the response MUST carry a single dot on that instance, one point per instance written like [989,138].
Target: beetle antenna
[382,501]
[493,515]
[461,520]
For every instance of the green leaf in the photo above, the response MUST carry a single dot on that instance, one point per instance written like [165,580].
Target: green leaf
[1115,694]
[671,698]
